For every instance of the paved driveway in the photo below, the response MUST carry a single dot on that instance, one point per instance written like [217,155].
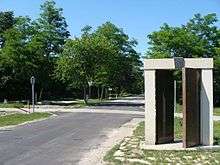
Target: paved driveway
[59,140]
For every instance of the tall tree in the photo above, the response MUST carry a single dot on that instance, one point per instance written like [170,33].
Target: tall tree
[50,36]
[51,28]
[6,22]
[125,66]
[200,37]
[81,59]
[16,61]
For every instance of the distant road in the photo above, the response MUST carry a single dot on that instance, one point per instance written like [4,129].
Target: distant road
[127,103]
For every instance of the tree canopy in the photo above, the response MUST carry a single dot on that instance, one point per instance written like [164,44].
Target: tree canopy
[199,37]
[105,57]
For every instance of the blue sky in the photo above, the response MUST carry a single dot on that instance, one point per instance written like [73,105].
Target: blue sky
[138,18]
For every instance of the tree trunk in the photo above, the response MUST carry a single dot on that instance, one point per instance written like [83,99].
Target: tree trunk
[98,92]
[84,95]
[41,92]
[102,93]
[106,92]
[89,92]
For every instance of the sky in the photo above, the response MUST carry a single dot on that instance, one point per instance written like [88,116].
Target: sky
[138,18]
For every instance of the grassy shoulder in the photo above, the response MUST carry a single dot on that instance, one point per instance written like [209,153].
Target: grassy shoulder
[12,105]
[71,104]
[166,157]
[15,119]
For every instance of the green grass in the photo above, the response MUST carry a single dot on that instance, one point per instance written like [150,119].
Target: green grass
[109,155]
[217,132]
[178,108]
[173,157]
[139,131]
[178,124]
[15,119]
[182,157]
[178,130]
[215,112]
[11,105]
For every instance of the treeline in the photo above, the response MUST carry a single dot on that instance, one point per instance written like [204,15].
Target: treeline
[199,37]
[93,63]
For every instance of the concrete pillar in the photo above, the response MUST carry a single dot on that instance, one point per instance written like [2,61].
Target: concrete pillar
[207,107]
[150,107]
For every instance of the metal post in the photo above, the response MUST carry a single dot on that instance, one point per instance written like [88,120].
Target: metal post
[32,88]
[174,96]
[33,96]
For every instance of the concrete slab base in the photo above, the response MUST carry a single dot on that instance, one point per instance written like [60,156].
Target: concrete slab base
[175,146]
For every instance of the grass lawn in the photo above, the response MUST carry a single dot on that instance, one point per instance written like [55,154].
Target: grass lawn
[15,119]
[215,112]
[169,157]
[12,105]
[75,104]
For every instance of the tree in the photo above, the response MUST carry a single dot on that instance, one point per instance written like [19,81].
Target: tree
[50,36]
[174,42]
[17,64]
[105,57]
[124,67]
[31,48]
[51,29]
[198,38]
[6,22]
[81,59]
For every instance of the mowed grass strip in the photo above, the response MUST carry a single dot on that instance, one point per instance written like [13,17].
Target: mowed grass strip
[18,118]
[12,105]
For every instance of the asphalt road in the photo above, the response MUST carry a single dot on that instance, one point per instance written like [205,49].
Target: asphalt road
[127,104]
[61,140]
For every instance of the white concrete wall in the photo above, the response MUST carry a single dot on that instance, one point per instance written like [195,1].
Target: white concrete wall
[178,63]
[166,63]
[199,63]
[150,107]
[206,95]
[207,107]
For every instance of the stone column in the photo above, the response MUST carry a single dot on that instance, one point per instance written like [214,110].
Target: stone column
[150,107]
[207,107]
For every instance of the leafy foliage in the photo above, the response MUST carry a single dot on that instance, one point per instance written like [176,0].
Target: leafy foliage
[31,49]
[105,57]
[6,22]
[200,37]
